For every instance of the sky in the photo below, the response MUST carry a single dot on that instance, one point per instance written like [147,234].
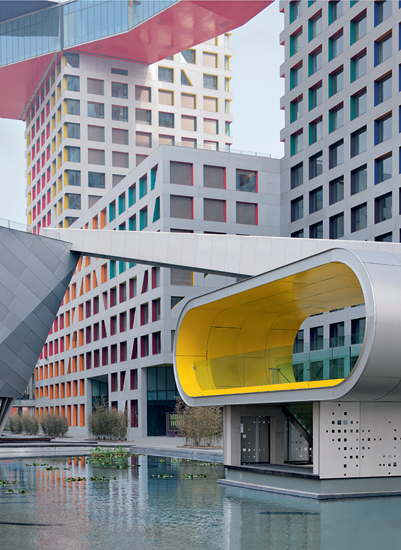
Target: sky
[256,86]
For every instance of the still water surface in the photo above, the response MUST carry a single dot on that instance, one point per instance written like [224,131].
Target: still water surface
[137,511]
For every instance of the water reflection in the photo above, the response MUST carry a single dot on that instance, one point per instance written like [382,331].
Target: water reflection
[142,512]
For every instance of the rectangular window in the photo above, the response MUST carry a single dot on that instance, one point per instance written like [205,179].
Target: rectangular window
[72,83]
[297,209]
[144,346]
[143,139]
[316,338]
[383,10]
[358,104]
[73,177]
[119,89]
[181,173]
[143,116]
[119,112]
[142,93]
[383,168]
[143,218]
[96,133]
[336,190]
[296,76]
[296,143]
[316,231]
[315,96]
[336,82]
[214,177]
[296,42]
[336,154]
[166,97]
[383,208]
[358,27]
[166,120]
[95,110]
[95,86]
[210,60]
[73,154]
[210,126]
[181,207]
[315,130]
[246,180]
[383,89]
[383,129]
[336,45]
[188,123]
[315,26]
[166,75]
[210,104]
[210,82]
[359,179]
[247,213]
[359,141]
[383,49]
[72,107]
[97,180]
[295,10]
[214,210]
[357,330]
[73,130]
[336,118]
[297,175]
[337,335]
[73,201]
[335,10]
[188,101]
[336,226]
[96,156]
[316,200]
[316,165]
[296,109]
[358,66]
[359,217]
[119,136]
[315,61]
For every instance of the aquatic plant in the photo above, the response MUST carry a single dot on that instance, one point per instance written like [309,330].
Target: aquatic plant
[194,476]
[111,458]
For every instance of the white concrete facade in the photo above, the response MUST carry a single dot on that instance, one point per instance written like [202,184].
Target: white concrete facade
[146,321]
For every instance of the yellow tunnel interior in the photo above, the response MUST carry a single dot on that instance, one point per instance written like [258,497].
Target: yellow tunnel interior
[244,343]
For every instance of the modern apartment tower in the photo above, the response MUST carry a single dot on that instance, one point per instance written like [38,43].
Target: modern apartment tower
[339,176]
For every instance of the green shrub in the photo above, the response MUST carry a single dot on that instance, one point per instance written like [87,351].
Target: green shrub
[107,423]
[15,423]
[54,425]
[30,424]
[200,426]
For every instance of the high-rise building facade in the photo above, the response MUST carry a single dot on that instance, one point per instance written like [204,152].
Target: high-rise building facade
[340,171]
[95,119]
[341,163]
[114,332]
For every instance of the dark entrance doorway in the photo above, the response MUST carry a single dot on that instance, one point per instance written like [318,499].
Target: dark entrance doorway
[162,392]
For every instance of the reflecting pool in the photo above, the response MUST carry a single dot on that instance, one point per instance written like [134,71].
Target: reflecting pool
[142,512]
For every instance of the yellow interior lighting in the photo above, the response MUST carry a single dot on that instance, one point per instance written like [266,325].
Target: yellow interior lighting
[244,343]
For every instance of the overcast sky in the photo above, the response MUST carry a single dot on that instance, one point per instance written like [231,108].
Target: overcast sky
[256,85]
